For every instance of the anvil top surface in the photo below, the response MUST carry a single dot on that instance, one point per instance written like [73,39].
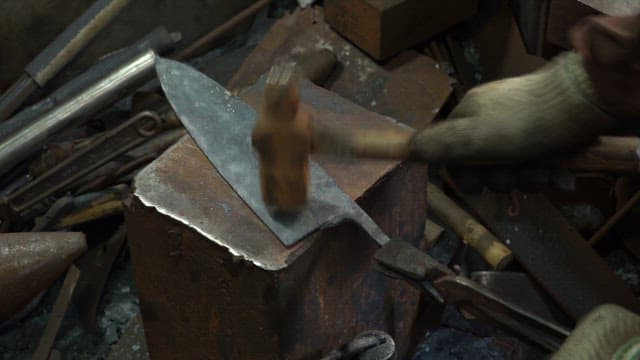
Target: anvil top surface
[184,185]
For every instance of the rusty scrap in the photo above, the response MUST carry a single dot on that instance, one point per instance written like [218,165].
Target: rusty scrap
[111,144]
[520,289]
[410,262]
[57,314]
[201,45]
[96,266]
[620,213]
[482,302]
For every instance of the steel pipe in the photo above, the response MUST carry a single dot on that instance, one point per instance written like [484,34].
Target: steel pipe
[72,112]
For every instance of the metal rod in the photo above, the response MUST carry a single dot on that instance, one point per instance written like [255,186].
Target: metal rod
[613,220]
[70,113]
[159,40]
[198,46]
[16,95]
[60,52]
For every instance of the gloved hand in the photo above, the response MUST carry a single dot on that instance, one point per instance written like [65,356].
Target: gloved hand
[607,332]
[521,118]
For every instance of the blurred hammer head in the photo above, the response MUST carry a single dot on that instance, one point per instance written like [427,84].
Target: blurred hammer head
[282,138]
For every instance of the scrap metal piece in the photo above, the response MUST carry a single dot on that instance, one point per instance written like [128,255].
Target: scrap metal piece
[96,212]
[407,260]
[96,266]
[481,301]
[60,52]
[411,87]
[95,97]
[221,125]
[111,144]
[614,219]
[518,288]
[128,163]
[200,46]
[31,262]
[59,208]
[57,314]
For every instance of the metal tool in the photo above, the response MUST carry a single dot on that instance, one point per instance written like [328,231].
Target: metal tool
[518,288]
[159,40]
[479,300]
[110,145]
[112,87]
[221,124]
[416,267]
[60,52]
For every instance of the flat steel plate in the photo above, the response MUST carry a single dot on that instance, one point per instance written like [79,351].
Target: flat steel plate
[221,125]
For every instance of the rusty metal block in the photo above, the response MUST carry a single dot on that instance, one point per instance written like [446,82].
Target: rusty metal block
[410,87]
[214,282]
[222,286]
[382,28]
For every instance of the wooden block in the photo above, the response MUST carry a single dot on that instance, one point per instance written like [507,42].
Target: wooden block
[384,27]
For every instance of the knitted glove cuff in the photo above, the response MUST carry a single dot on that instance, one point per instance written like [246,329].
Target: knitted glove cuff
[573,67]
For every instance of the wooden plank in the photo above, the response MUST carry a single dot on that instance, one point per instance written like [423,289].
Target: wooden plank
[382,28]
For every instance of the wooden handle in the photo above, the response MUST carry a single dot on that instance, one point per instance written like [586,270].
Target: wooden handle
[471,231]
[282,139]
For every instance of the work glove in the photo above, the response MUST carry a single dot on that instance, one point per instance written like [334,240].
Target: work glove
[515,120]
[522,118]
[607,332]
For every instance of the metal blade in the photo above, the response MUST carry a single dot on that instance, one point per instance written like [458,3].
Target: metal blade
[221,125]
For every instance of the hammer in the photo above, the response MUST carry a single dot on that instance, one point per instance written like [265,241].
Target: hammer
[282,134]
[284,137]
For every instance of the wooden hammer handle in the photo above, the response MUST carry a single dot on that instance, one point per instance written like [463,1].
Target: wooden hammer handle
[471,231]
